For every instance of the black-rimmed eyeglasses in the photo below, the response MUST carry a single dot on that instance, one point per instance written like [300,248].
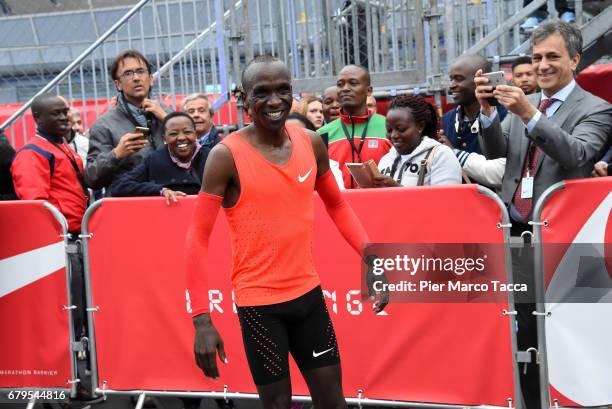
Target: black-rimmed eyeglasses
[129,74]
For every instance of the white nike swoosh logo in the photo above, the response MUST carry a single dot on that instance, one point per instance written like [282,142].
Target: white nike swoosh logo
[301,178]
[316,354]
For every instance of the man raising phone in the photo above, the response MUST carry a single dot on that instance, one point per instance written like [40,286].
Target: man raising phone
[264,177]
[548,136]
[126,133]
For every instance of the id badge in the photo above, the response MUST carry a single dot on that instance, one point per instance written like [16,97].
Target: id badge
[527,187]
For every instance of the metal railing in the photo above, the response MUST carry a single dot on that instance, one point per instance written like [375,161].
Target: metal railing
[202,45]
[158,28]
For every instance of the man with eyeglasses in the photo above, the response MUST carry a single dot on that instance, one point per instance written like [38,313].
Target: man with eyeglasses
[127,132]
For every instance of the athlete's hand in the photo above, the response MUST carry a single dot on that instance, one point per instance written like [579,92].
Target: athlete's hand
[206,345]
[380,297]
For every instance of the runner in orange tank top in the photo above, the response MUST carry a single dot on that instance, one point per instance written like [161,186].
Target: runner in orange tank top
[264,176]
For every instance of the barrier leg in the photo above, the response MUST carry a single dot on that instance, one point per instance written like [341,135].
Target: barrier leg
[141,399]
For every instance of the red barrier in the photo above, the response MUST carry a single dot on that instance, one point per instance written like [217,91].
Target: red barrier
[446,353]
[35,341]
[597,79]
[578,334]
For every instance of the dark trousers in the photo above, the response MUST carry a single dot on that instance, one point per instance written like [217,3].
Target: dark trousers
[77,291]
[527,335]
[561,5]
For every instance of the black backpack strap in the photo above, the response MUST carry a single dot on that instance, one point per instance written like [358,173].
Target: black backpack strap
[50,157]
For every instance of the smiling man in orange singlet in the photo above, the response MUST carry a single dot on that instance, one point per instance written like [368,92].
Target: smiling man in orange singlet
[264,176]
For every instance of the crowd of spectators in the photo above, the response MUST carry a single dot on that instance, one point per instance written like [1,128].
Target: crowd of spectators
[546,127]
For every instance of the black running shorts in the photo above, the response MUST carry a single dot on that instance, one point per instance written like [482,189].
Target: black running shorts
[301,326]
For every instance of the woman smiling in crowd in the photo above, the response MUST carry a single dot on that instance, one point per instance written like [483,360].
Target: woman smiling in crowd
[173,170]
[416,158]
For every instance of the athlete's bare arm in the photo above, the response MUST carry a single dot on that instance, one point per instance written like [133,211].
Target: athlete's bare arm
[320,152]
[221,181]
[220,176]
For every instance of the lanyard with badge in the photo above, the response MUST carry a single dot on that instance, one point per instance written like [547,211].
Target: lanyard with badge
[351,138]
[527,182]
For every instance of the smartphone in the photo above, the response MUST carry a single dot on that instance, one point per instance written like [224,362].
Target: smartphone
[495,78]
[142,130]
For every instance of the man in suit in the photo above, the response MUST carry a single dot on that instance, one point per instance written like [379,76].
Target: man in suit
[550,136]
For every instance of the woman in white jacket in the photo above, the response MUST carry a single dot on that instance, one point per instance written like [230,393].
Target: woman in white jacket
[416,158]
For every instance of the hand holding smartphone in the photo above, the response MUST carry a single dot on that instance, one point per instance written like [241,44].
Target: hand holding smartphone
[142,130]
[495,78]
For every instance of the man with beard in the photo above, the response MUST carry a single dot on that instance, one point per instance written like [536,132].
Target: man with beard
[277,289]
[357,135]
[461,123]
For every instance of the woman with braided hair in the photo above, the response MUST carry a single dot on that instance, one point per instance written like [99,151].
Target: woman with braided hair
[416,158]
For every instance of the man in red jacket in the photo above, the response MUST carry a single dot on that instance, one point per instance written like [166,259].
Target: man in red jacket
[48,169]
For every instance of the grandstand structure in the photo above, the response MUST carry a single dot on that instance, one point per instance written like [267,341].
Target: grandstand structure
[66,46]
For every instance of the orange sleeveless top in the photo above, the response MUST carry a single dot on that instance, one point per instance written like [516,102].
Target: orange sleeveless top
[271,225]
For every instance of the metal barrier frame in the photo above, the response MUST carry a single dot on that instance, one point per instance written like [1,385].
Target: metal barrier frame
[540,311]
[359,400]
[59,217]
[85,237]
[65,235]
[74,64]
[506,224]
